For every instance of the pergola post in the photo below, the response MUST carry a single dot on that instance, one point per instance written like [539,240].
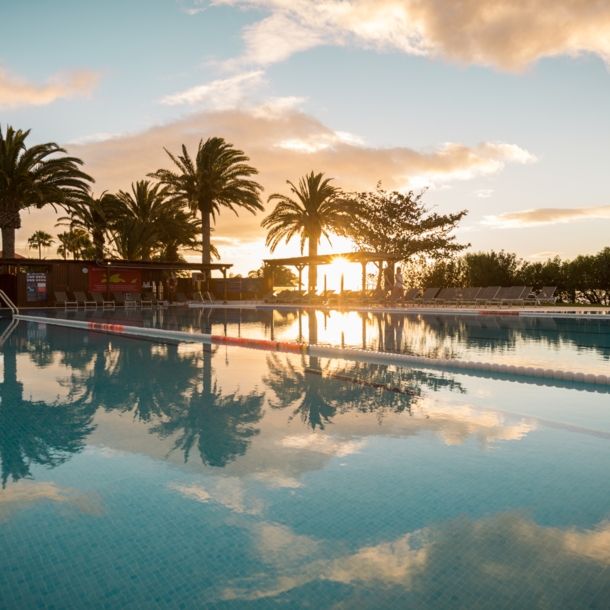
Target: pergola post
[363,277]
[224,275]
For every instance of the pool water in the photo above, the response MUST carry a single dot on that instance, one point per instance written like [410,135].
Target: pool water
[157,474]
[576,344]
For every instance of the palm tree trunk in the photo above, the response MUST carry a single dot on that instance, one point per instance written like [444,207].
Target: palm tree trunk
[313,269]
[39,251]
[206,231]
[8,242]
[98,243]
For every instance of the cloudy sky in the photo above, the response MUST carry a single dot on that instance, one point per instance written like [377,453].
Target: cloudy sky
[500,107]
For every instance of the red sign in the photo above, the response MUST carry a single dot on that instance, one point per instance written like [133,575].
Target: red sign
[121,280]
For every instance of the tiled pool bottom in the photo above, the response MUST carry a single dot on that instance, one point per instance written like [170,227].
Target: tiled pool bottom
[144,474]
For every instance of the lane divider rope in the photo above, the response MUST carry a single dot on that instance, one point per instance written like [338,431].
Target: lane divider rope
[470,367]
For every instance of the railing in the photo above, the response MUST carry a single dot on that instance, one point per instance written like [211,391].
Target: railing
[10,303]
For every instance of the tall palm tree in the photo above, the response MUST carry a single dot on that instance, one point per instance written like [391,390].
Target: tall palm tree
[318,211]
[94,215]
[40,240]
[219,176]
[34,177]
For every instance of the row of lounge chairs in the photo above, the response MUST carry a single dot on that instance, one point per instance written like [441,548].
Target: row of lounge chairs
[492,296]
[129,300]
[97,299]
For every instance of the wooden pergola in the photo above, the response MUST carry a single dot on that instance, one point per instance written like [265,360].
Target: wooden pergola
[363,258]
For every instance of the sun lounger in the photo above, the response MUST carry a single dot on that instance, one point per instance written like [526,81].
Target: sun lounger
[81,299]
[130,301]
[144,303]
[468,296]
[149,297]
[526,291]
[119,298]
[196,297]
[514,293]
[445,295]
[294,296]
[100,300]
[487,295]
[497,300]
[427,297]
[322,298]
[61,299]
[411,295]
[546,295]
[268,297]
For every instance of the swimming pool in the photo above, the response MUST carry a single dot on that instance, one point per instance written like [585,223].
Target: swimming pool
[547,342]
[156,473]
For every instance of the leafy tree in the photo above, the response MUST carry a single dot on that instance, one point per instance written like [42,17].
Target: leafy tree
[34,177]
[401,224]
[219,176]
[94,215]
[552,272]
[317,211]
[40,240]
[282,276]
[491,268]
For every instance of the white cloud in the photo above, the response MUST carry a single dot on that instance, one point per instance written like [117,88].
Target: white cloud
[545,255]
[546,216]
[95,137]
[483,193]
[506,34]
[325,444]
[222,93]
[16,92]
[284,143]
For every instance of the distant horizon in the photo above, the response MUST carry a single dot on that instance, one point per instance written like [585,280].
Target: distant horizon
[503,113]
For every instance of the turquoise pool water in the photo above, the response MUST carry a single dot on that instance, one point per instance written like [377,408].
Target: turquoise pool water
[559,343]
[157,474]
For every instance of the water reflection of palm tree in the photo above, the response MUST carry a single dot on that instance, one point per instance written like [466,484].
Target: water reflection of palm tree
[181,397]
[318,393]
[304,391]
[34,432]
[219,425]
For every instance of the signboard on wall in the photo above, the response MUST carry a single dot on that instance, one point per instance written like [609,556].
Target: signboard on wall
[36,287]
[121,280]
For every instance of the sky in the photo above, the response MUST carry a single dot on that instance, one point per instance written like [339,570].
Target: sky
[498,107]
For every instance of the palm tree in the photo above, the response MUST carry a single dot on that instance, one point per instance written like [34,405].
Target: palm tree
[75,242]
[94,215]
[149,223]
[219,176]
[318,212]
[34,177]
[40,240]
[139,218]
